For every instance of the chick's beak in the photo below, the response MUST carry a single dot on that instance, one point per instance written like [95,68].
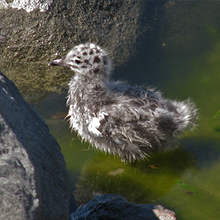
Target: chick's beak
[58,62]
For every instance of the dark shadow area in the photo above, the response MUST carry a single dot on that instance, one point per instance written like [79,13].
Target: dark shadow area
[206,152]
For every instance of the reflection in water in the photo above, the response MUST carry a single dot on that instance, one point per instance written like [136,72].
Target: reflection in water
[139,183]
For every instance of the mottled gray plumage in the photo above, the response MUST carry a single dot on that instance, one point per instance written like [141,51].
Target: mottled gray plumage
[115,117]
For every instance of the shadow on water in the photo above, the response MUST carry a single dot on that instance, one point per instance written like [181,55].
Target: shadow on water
[206,152]
[142,182]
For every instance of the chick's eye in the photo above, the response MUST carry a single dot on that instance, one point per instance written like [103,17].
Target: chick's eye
[77,61]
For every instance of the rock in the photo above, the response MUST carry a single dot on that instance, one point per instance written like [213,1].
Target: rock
[112,207]
[34,183]
[45,30]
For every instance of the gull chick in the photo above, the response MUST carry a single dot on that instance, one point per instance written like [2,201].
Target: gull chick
[115,117]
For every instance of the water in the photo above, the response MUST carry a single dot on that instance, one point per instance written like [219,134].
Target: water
[183,61]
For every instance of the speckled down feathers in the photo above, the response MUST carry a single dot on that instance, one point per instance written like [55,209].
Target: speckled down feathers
[132,122]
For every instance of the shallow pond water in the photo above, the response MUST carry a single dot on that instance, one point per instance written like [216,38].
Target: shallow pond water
[185,62]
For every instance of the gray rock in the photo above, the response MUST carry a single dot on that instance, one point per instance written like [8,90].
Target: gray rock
[34,183]
[38,37]
[112,207]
